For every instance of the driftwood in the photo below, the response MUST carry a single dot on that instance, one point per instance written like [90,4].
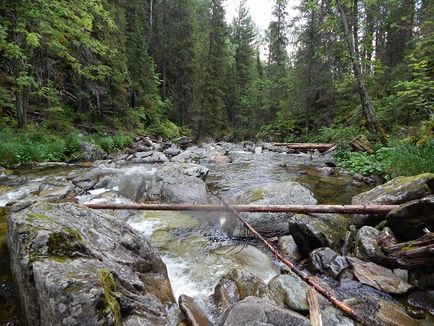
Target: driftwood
[409,255]
[314,308]
[306,146]
[338,304]
[340,209]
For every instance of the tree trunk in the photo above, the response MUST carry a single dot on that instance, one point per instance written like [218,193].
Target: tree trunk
[21,106]
[368,110]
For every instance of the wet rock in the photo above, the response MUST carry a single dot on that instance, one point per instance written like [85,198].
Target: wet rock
[409,220]
[288,248]
[194,315]
[249,146]
[149,157]
[258,150]
[171,151]
[225,293]
[255,311]
[249,258]
[328,261]
[282,193]
[90,152]
[326,170]
[290,290]
[318,230]
[84,180]
[334,317]
[54,190]
[367,248]
[12,181]
[423,300]
[107,182]
[378,277]
[397,191]
[76,266]
[390,313]
[136,184]
[422,279]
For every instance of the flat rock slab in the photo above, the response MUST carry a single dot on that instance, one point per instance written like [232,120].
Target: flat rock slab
[378,277]
[76,266]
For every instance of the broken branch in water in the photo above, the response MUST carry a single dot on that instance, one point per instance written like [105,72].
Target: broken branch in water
[338,304]
[341,209]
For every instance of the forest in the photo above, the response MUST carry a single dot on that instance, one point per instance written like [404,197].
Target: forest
[106,70]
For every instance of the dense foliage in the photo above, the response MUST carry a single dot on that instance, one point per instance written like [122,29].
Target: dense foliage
[177,67]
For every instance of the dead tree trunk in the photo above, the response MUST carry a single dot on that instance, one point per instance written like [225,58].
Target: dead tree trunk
[368,110]
[409,255]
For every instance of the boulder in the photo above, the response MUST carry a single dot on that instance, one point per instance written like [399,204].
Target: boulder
[90,152]
[409,220]
[281,193]
[367,248]
[318,230]
[192,312]
[288,248]
[226,293]
[378,277]
[258,150]
[171,151]
[76,266]
[397,191]
[149,157]
[193,154]
[220,159]
[180,183]
[55,189]
[254,311]
[291,291]
[328,261]
[84,180]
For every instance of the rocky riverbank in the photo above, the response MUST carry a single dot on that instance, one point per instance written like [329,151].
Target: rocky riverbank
[75,265]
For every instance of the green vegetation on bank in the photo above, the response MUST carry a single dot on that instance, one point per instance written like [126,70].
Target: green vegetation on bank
[105,68]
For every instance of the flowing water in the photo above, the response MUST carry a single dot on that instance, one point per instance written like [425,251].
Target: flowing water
[195,249]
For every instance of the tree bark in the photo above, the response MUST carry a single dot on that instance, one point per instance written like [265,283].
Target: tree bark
[314,307]
[343,209]
[368,110]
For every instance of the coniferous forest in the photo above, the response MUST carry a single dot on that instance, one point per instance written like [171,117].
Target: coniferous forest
[109,69]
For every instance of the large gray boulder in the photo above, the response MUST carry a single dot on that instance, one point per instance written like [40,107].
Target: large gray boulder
[254,311]
[318,230]
[409,220]
[397,191]
[90,152]
[172,183]
[76,266]
[281,193]
[327,261]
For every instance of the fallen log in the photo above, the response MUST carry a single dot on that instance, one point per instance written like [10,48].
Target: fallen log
[339,209]
[411,254]
[306,146]
[338,304]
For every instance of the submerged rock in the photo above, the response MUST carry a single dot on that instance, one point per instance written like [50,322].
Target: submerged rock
[318,230]
[255,311]
[409,220]
[281,193]
[76,266]
[379,277]
[291,291]
[194,315]
[397,191]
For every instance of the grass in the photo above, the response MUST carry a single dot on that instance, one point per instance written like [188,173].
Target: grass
[40,144]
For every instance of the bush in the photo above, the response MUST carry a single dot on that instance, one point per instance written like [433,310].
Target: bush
[165,129]
[399,160]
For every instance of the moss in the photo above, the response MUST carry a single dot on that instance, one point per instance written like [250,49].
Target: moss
[32,217]
[111,306]
[65,243]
